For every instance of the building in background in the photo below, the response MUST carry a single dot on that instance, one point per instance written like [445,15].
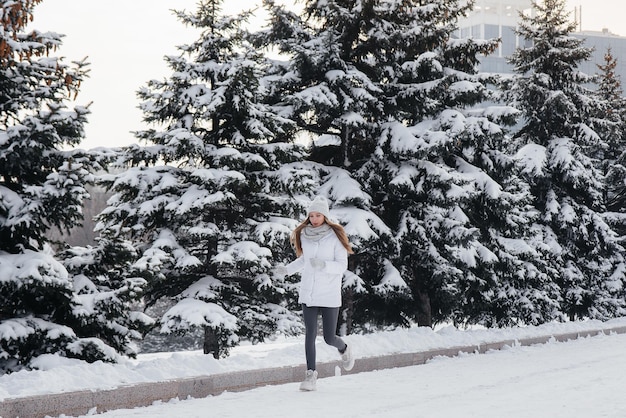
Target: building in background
[601,41]
[499,18]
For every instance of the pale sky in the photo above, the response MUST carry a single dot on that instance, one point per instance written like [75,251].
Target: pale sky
[125,41]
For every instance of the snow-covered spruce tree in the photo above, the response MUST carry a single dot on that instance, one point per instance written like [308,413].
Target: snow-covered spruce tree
[107,301]
[442,177]
[611,152]
[510,280]
[556,136]
[337,106]
[41,185]
[210,199]
[391,98]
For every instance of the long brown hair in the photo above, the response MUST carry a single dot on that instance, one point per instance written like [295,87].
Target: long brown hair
[339,231]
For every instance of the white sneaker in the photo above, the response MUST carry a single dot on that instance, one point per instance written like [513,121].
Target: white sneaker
[309,381]
[347,359]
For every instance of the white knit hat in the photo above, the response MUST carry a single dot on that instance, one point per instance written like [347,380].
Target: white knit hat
[319,204]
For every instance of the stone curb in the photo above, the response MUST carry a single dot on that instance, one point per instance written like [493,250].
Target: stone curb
[145,394]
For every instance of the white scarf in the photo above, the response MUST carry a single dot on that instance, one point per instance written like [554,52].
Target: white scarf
[316,234]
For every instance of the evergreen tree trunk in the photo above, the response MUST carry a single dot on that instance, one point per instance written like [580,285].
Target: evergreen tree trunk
[211,344]
[423,314]
[345,141]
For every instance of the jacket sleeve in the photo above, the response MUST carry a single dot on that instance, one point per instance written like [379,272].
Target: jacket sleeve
[340,262]
[295,266]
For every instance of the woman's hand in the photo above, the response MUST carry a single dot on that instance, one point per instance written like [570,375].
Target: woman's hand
[318,264]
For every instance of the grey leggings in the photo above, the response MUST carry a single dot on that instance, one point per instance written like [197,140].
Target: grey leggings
[329,325]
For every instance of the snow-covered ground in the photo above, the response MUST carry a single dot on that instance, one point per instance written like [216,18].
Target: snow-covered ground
[581,378]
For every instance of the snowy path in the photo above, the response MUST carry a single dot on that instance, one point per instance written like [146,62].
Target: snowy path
[582,378]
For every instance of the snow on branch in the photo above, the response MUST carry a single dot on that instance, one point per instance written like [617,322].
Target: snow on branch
[190,312]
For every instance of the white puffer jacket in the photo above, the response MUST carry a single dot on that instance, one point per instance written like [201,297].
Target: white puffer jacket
[321,287]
